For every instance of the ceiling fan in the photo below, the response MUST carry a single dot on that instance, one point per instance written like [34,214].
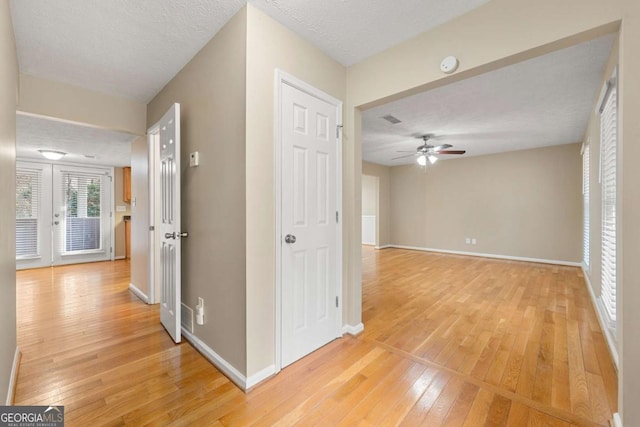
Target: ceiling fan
[428,152]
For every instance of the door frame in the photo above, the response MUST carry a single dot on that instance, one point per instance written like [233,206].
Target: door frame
[282,78]
[153,256]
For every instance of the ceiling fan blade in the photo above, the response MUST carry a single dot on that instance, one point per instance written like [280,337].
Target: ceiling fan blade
[402,157]
[441,147]
[451,152]
[405,151]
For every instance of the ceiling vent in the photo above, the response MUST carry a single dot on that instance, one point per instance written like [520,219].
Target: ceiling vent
[391,119]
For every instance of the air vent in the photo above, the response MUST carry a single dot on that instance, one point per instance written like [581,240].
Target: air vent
[391,119]
[187,317]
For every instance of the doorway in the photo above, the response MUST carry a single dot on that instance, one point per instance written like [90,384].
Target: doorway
[63,214]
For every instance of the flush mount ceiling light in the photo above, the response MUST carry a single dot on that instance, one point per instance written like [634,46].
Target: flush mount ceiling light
[52,155]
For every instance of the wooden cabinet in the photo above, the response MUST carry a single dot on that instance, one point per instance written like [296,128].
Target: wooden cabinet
[126,181]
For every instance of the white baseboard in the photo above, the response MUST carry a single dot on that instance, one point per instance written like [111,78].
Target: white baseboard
[482,255]
[383,247]
[617,421]
[137,292]
[604,324]
[353,330]
[119,257]
[225,367]
[13,379]
[258,377]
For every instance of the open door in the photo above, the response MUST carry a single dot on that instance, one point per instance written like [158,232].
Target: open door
[168,226]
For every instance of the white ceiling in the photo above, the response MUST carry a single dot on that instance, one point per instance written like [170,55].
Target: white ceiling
[131,49]
[108,148]
[540,102]
[352,30]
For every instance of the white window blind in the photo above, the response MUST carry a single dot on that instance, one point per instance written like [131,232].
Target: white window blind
[585,201]
[608,158]
[81,198]
[28,190]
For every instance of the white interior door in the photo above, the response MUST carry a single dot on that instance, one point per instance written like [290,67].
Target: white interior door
[82,214]
[168,225]
[33,215]
[309,224]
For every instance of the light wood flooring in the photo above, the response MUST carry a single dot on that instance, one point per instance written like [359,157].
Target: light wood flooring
[449,340]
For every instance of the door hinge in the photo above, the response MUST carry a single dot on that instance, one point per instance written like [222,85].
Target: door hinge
[337,302]
[337,216]
[110,214]
[338,131]
[111,250]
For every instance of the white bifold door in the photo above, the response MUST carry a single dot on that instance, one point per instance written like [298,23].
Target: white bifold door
[63,214]
[167,217]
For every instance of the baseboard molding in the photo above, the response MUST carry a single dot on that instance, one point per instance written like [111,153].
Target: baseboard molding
[119,257]
[13,379]
[225,367]
[353,330]
[137,292]
[258,377]
[383,247]
[495,256]
[617,421]
[611,343]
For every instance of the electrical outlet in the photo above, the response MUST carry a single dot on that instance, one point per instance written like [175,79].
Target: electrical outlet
[200,311]
[473,241]
[467,240]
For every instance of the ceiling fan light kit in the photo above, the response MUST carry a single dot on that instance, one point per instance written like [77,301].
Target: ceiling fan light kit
[428,153]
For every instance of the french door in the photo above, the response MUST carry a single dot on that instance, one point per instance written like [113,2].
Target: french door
[63,214]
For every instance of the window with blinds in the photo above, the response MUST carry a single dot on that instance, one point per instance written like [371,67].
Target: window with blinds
[28,190]
[608,158]
[81,198]
[585,201]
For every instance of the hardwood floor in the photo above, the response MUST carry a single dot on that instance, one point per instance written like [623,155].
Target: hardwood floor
[449,340]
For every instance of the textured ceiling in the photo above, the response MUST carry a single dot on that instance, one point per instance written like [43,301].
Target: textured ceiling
[120,47]
[109,148]
[352,30]
[540,102]
[132,48]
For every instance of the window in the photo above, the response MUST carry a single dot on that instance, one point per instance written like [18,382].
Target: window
[608,159]
[81,194]
[28,184]
[585,198]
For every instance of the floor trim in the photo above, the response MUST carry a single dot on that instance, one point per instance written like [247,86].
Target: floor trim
[606,331]
[137,292]
[617,421]
[496,256]
[383,247]
[353,330]
[260,376]
[13,379]
[225,367]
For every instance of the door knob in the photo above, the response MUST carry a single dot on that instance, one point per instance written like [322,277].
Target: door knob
[290,238]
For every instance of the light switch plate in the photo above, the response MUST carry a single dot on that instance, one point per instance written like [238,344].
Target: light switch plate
[194,159]
[121,208]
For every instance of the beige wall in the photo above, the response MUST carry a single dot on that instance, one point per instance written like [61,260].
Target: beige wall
[500,33]
[118,223]
[211,91]
[8,86]
[271,46]
[139,215]
[522,203]
[369,195]
[63,101]
[629,232]
[383,173]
